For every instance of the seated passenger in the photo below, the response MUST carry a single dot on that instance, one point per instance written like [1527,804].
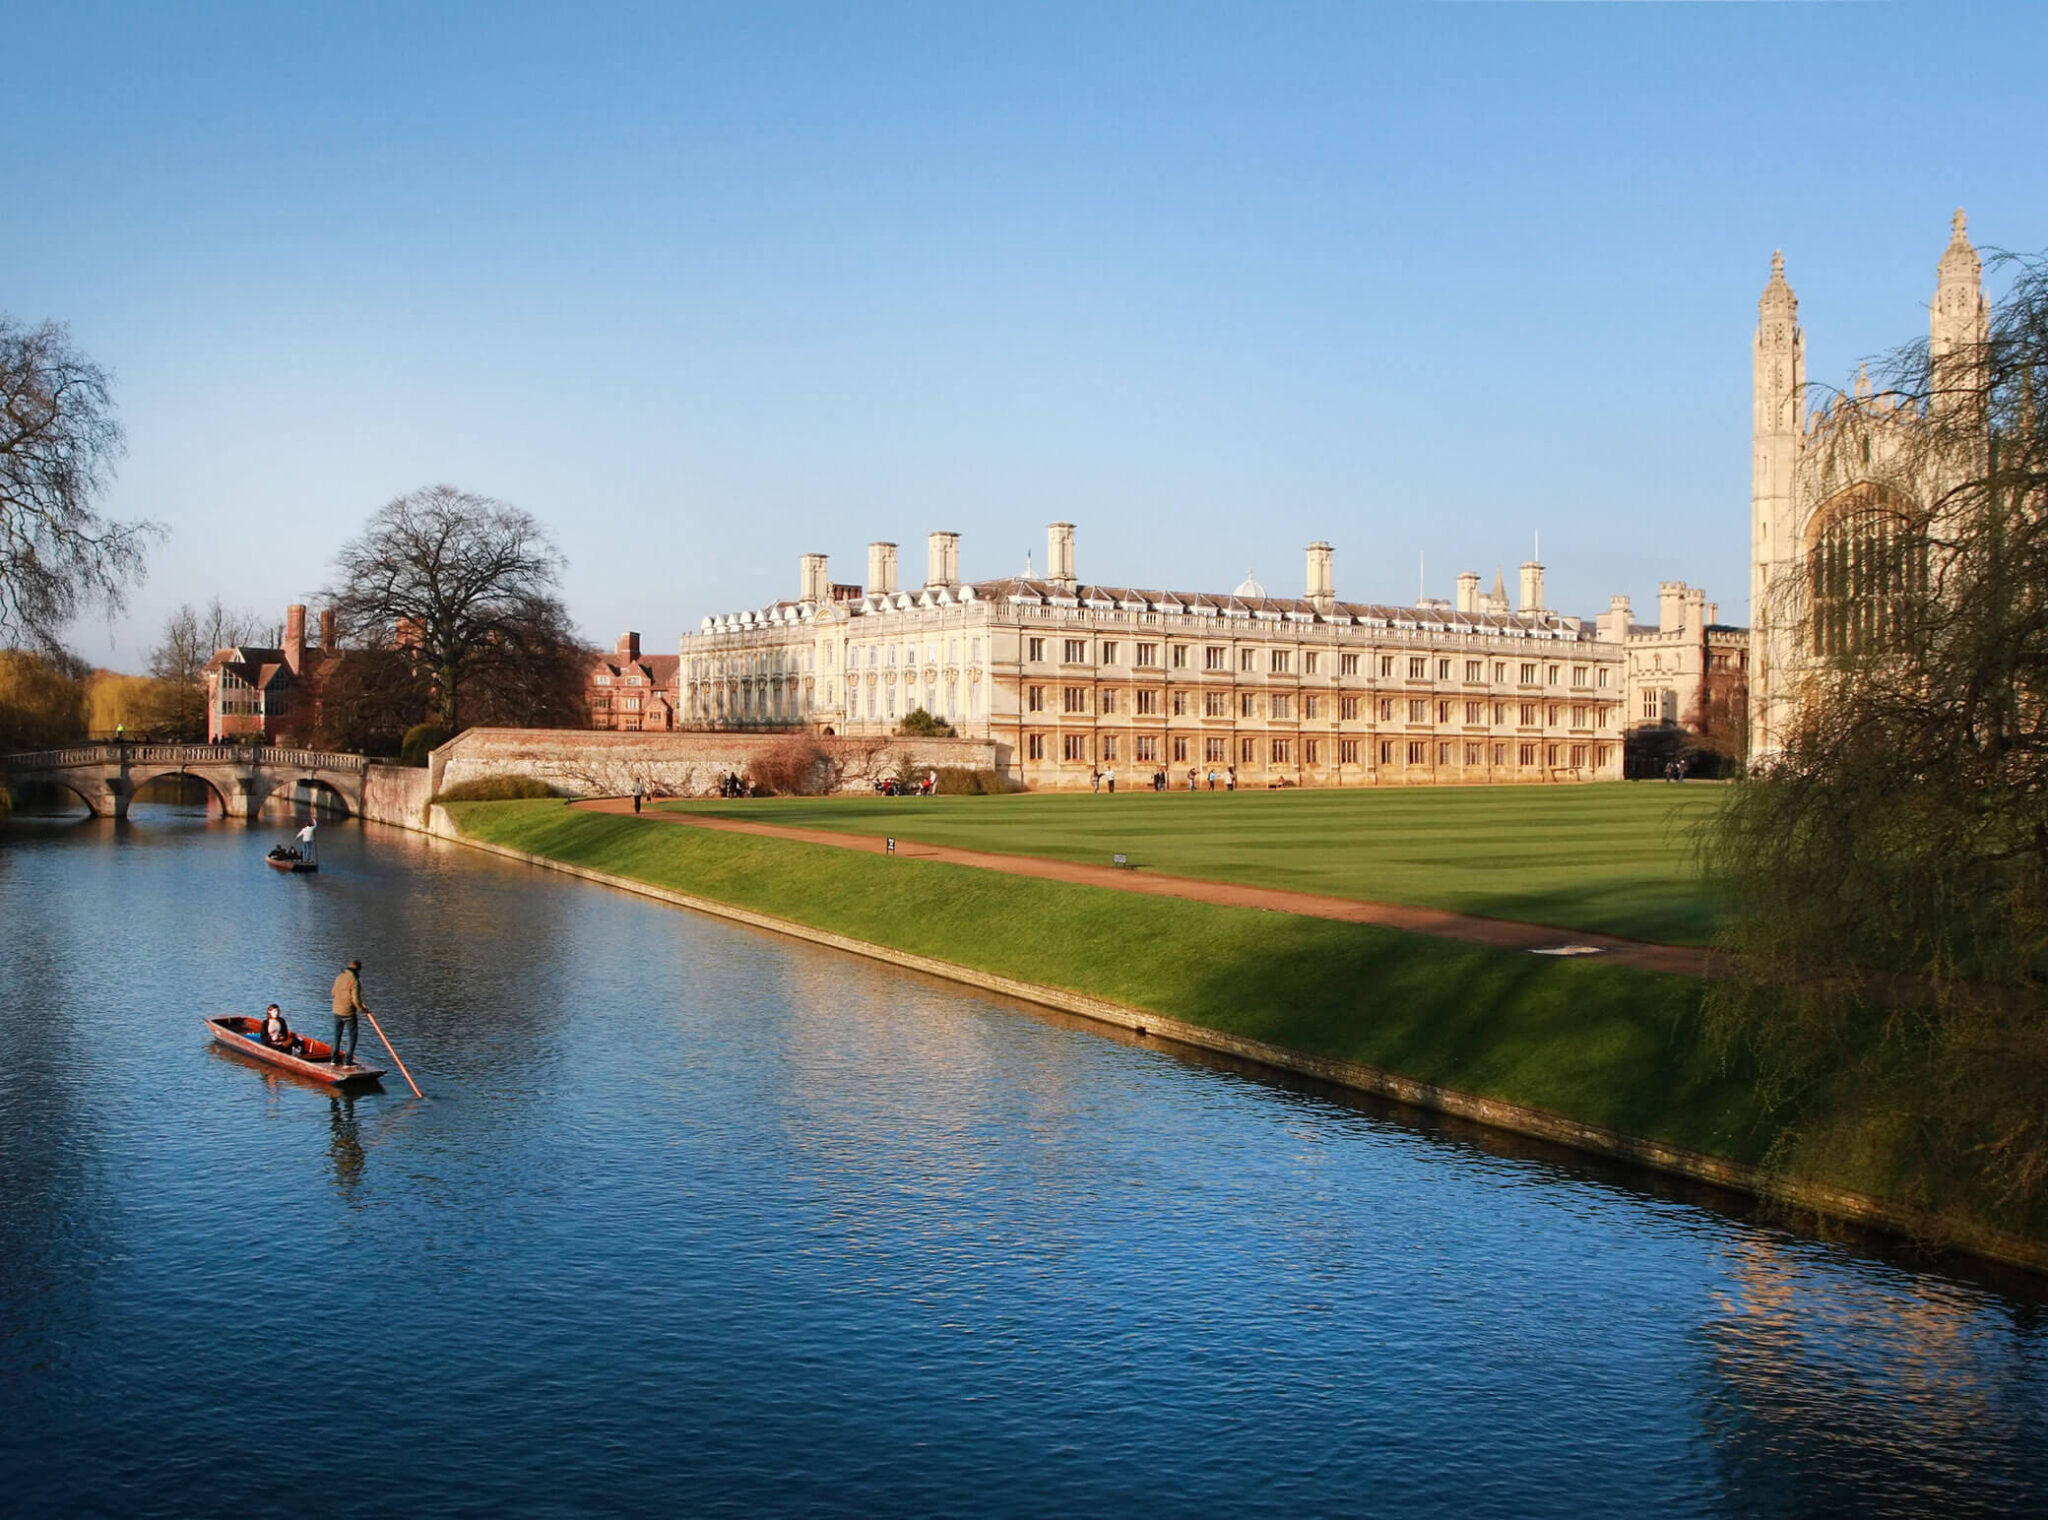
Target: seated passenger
[276,1033]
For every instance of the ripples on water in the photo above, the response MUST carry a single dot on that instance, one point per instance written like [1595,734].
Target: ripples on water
[695,1219]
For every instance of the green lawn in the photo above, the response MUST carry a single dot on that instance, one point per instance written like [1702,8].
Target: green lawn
[1612,858]
[1604,1044]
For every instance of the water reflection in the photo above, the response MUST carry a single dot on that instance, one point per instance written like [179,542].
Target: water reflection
[699,1218]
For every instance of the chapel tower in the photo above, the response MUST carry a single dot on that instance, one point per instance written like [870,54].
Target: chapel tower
[1778,388]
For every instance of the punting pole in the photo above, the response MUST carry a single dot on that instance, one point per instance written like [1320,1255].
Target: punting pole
[394,1054]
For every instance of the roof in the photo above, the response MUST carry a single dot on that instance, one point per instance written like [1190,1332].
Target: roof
[1273,609]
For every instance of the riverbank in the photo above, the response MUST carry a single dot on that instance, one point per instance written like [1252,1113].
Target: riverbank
[1605,1058]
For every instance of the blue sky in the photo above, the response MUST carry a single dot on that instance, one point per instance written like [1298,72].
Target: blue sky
[705,288]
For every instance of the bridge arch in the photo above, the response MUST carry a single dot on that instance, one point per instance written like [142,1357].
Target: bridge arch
[220,797]
[317,794]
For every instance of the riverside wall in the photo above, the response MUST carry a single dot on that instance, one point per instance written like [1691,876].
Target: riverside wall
[595,763]
[397,795]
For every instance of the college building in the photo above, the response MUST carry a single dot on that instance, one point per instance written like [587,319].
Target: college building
[1069,678]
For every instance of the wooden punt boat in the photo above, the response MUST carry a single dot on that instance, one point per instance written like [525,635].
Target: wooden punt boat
[308,1057]
[288,863]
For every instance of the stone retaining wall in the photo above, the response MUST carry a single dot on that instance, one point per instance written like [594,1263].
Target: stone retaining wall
[592,763]
[397,795]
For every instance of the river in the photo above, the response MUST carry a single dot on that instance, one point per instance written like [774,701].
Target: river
[694,1219]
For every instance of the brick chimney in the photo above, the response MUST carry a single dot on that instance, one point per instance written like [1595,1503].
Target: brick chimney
[629,646]
[295,637]
[942,559]
[327,639]
[881,569]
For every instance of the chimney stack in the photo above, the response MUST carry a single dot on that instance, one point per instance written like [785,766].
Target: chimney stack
[629,646]
[1613,623]
[1696,609]
[1059,555]
[814,581]
[1670,606]
[327,639]
[881,569]
[1322,583]
[1532,586]
[942,559]
[1468,591]
[295,637]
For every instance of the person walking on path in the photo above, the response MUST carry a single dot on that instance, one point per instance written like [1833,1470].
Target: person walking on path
[636,796]
[1191,778]
[1095,780]
[1230,781]
[1110,777]
[348,1002]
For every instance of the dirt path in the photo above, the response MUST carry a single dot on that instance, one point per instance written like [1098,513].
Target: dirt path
[1500,932]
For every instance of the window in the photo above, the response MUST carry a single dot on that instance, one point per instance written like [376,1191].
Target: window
[1551,716]
[1247,751]
[1471,754]
[1034,650]
[1472,669]
[1310,751]
[1528,715]
[1500,712]
[1212,750]
[1034,746]
[1418,752]
[1311,707]
[1148,747]
[1386,709]
[603,680]
[1244,705]
[1600,755]
[1108,652]
[1653,705]
[1212,657]
[1529,673]
[601,704]
[1109,696]
[1277,664]
[1500,670]
[1109,746]
[1418,710]
[1528,752]
[1386,752]
[1578,757]
[1347,752]
[1074,699]
[1247,659]
[1077,652]
[1347,664]
[1180,748]
[1472,712]
[1386,665]
[1215,704]
[1283,707]
[1578,717]
[1180,657]
[1600,717]
[1443,754]
[1034,699]
[1443,670]
[1148,654]
[1180,704]
[1418,668]
[1280,751]
[1148,704]
[1443,712]
[1074,746]
[1500,754]
[1550,675]
[1347,709]
[1578,675]
[1603,676]
[1309,663]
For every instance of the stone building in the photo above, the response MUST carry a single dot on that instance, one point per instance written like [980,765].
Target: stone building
[1067,677]
[1819,475]
[261,694]
[630,691]
[1686,681]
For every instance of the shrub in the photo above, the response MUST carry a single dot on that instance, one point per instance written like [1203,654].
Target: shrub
[962,781]
[919,724]
[797,767]
[421,740]
[497,789]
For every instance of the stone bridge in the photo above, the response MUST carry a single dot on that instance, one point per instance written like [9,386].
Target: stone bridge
[107,776]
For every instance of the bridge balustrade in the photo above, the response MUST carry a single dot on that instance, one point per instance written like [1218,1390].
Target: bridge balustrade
[183,754]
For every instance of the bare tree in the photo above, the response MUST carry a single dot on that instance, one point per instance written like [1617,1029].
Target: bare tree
[469,587]
[58,441]
[178,664]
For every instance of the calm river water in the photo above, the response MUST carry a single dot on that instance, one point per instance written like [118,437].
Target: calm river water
[694,1219]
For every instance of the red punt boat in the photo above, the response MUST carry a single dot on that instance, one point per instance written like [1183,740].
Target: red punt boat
[308,1057]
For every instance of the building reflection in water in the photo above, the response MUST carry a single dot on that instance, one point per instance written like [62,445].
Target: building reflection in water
[1871,1391]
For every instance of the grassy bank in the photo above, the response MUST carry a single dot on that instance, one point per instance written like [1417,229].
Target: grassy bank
[1602,1044]
[1615,859]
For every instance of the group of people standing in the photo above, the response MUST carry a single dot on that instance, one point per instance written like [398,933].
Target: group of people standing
[1160,781]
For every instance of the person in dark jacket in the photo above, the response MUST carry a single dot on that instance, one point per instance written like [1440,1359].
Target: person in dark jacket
[348,1002]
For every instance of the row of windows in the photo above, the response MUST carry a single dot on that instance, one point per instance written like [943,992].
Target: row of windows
[1282,662]
[1218,704]
[1215,750]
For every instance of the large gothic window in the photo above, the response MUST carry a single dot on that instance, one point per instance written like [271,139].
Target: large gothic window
[1866,565]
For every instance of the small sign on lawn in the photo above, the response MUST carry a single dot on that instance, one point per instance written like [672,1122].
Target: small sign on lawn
[1121,860]
[889,845]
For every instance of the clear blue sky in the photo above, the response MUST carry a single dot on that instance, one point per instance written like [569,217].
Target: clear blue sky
[707,287]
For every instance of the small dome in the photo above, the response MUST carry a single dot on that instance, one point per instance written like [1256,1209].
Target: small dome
[1249,587]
